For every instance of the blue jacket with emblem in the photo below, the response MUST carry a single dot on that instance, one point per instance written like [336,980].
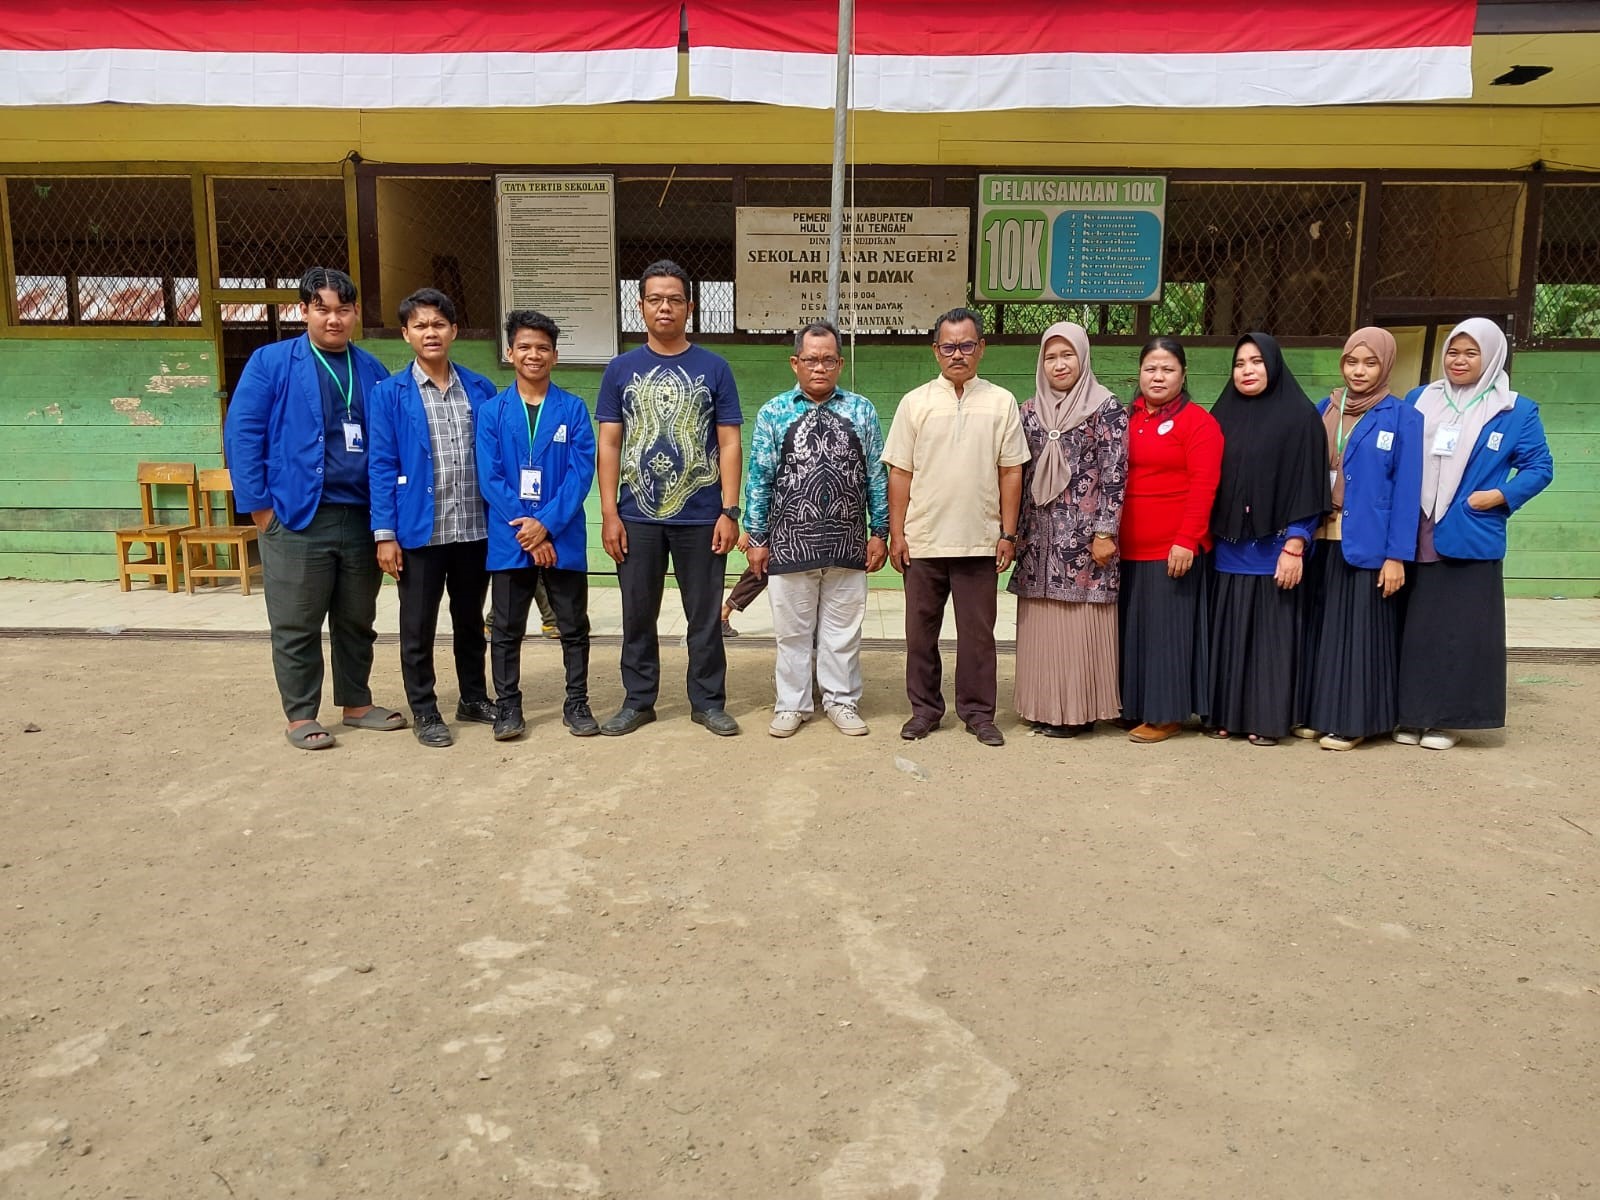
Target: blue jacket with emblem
[1513,442]
[273,436]
[400,453]
[1382,468]
[563,452]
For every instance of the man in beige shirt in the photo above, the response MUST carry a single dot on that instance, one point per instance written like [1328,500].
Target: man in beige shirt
[955,455]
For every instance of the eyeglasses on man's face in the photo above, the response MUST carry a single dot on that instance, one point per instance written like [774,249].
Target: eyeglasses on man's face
[951,349]
[826,363]
[666,301]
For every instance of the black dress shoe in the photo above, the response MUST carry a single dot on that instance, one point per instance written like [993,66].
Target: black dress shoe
[626,720]
[716,720]
[988,733]
[580,721]
[431,731]
[508,723]
[1045,729]
[484,712]
[917,728]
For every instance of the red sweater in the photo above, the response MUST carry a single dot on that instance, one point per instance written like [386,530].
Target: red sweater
[1174,463]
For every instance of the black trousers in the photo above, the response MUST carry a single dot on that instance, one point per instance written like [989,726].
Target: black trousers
[326,572]
[642,576]
[426,574]
[512,593]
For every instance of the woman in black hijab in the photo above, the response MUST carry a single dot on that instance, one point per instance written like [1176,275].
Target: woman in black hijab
[1273,492]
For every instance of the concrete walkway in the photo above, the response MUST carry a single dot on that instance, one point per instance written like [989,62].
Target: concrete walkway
[1534,628]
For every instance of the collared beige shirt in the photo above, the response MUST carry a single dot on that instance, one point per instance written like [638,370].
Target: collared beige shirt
[953,447]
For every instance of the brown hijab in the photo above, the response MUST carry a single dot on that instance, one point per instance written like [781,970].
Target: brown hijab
[1061,412]
[1345,407]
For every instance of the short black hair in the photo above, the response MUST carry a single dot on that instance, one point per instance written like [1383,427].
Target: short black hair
[665,268]
[1170,344]
[530,318]
[319,279]
[955,317]
[818,329]
[428,298]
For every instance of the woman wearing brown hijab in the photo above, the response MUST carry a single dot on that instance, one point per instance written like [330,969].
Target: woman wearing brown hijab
[1067,571]
[1352,625]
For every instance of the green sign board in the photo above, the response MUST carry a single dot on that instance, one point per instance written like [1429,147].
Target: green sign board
[1076,238]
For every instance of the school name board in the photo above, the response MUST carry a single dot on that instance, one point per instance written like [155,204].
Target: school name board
[1076,238]
[902,267]
[558,254]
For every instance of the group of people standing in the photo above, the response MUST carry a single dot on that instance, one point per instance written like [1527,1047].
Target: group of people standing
[1275,566]
[1271,566]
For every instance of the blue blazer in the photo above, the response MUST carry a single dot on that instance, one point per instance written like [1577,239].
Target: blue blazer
[1382,484]
[273,437]
[1513,441]
[563,450]
[400,453]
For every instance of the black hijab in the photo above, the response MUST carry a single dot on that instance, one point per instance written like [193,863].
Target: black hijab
[1274,453]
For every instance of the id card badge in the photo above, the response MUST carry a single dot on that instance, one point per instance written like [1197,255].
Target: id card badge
[353,441]
[532,489]
[1444,441]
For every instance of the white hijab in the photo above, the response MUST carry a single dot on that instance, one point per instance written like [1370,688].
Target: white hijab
[1443,405]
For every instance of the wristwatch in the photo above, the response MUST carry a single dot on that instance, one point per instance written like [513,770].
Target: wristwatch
[1009,537]
[732,513]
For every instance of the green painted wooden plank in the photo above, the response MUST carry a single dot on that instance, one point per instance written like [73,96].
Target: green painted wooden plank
[58,566]
[1551,535]
[121,410]
[1570,564]
[139,441]
[55,541]
[111,467]
[72,520]
[1571,589]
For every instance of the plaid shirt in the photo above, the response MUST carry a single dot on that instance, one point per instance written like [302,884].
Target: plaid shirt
[458,514]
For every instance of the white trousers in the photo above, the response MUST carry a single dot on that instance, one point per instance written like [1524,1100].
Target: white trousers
[821,609]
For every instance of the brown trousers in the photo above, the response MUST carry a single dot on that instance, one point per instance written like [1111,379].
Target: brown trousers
[929,583]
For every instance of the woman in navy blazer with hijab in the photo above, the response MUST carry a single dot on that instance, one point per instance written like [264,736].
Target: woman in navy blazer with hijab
[536,463]
[1352,652]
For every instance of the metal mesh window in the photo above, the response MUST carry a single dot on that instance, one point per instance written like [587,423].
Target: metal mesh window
[1271,256]
[439,233]
[277,228]
[690,221]
[92,250]
[1448,240]
[1566,292]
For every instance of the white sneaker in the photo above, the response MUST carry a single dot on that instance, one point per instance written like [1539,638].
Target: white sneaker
[1334,742]
[1438,739]
[847,720]
[787,724]
[1407,737]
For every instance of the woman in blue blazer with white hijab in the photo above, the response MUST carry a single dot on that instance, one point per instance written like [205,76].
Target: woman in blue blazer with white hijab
[1484,456]
[1352,652]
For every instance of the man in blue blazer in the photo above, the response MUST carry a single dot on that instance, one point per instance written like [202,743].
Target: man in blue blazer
[296,442]
[536,462]
[428,517]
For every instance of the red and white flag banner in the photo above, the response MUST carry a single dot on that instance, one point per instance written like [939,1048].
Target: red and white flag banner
[913,56]
[338,53]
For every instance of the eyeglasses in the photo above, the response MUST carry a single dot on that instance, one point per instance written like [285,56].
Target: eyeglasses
[825,364]
[950,349]
[666,301]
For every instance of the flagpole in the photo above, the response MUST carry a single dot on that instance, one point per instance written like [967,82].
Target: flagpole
[841,111]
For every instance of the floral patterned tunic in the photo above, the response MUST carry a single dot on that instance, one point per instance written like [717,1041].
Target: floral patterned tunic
[1055,561]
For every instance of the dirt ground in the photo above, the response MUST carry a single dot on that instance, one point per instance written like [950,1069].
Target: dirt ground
[676,966]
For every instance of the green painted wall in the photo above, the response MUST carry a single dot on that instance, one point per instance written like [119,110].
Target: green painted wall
[76,419]
[77,416]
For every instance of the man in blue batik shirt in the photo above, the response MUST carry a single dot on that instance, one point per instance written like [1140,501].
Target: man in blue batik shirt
[817,511]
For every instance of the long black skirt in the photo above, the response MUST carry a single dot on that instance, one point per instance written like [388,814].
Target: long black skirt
[1453,646]
[1255,654]
[1165,637]
[1351,660]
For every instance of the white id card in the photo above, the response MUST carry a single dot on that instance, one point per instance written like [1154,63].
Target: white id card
[532,489]
[353,441]
[1444,441]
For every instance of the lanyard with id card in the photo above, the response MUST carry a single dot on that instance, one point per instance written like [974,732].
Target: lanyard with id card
[532,484]
[354,440]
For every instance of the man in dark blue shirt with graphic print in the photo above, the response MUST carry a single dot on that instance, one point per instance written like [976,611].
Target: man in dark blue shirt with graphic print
[669,466]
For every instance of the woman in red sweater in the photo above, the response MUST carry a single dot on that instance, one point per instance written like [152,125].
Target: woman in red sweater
[1174,462]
